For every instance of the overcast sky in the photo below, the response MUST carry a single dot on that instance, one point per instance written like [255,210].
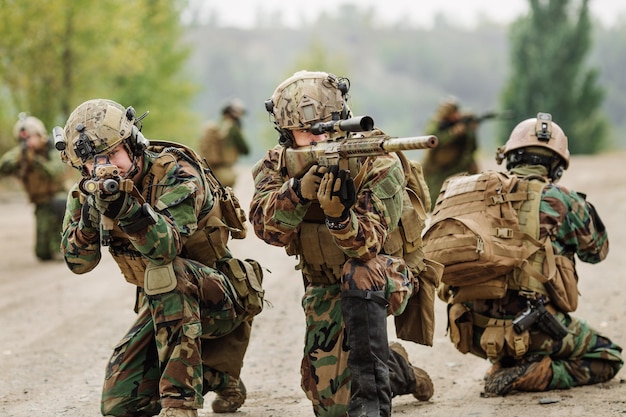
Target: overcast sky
[241,13]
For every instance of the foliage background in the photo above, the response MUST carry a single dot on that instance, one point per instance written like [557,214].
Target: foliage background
[154,55]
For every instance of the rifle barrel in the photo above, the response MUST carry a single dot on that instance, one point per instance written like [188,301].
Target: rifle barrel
[414,142]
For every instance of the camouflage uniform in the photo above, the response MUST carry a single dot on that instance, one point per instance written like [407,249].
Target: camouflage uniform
[453,155]
[42,174]
[583,356]
[184,342]
[333,263]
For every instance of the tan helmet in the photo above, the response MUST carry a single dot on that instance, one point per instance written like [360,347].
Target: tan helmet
[27,126]
[308,97]
[539,132]
[447,107]
[95,127]
[235,108]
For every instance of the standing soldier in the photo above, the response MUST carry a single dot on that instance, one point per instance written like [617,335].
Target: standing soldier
[223,142]
[457,144]
[166,226]
[336,222]
[42,174]
[520,319]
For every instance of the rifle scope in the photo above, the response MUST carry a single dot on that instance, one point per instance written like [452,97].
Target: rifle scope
[353,124]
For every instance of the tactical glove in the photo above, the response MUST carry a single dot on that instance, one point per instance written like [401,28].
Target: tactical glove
[115,205]
[336,194]
[306,187]
[89,216]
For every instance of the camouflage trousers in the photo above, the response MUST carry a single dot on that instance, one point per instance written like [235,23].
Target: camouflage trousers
[183,344]
[324,369]
[583,357]
[48,224]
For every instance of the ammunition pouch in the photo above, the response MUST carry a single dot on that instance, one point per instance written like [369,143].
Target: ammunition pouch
[247,278]
[499,338]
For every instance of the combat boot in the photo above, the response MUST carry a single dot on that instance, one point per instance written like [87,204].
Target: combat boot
[404,381]
[177,412]
[530,374]
[229,399]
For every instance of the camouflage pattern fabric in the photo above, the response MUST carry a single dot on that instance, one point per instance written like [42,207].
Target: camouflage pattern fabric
[161,362]
[584,356]
[278,217]
[453,155]
[48,222]
[42,175]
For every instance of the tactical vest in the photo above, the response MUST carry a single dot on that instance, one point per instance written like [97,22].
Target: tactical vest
[321,260]
[209,242]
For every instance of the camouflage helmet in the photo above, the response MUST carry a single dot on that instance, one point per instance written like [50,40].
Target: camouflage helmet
[27,126]
[539,133]
[308,97]
[95,127]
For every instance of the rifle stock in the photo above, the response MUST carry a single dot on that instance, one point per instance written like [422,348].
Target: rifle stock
[299,160]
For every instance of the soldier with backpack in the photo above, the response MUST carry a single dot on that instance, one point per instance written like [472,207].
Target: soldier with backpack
[222,143]
[166,222]
[338,223]
[508,241]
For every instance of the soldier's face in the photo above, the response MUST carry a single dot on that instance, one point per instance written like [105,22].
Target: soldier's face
[119,157]
[305,138]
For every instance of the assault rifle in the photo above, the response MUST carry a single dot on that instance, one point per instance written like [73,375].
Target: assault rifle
[345,144]
[472,118]
[105,179]
[536,313]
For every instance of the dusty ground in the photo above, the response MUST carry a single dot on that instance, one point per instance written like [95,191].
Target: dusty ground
[58,328]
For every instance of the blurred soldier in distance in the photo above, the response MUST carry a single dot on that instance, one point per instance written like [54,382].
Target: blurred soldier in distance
[38,167]
[222,143]
[456,132]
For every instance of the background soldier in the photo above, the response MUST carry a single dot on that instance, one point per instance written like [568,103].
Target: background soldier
[457,144]
[191,330]
[525,329]
[223,142]
[350,284]
[42,174]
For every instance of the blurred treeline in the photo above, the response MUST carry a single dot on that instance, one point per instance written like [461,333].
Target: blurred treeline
[127,51]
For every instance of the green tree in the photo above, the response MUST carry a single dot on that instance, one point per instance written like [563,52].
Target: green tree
[56,54]
[548,50]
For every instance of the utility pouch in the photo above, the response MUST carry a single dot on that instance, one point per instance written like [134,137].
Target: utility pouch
[159,279]
[488,290]
[563,287]
[517,344]
[492,339]
[246,277]
[461,327]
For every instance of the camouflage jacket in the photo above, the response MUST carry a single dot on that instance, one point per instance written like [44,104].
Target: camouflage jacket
[575,229]
[180,200]
[42,173]
[278,216]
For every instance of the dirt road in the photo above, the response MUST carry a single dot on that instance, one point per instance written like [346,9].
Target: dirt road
[58,329]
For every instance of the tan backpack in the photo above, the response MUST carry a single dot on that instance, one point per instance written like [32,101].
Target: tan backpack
[475,229]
